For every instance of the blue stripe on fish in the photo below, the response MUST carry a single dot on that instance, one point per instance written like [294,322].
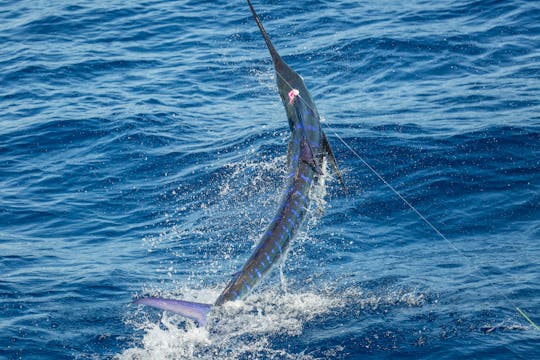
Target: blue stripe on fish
[302,196]
[305,178]
[286,230]
[278,246]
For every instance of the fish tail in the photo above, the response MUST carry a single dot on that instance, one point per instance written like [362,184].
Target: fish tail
[191,310]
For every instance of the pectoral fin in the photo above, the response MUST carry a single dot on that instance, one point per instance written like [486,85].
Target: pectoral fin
[332,160]
[308,157]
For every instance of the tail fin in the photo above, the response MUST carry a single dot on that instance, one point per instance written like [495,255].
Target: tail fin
[192,310]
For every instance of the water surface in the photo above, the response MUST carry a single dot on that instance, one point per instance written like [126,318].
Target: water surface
[142,152]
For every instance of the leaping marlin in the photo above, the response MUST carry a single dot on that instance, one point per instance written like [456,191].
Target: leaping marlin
[308,147]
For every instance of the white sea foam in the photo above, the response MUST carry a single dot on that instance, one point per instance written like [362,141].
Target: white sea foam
[255,327]
[240,329]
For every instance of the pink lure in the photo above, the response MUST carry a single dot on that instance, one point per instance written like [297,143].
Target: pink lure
[292,94]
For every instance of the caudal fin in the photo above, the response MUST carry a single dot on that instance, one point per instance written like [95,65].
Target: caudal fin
[191,310]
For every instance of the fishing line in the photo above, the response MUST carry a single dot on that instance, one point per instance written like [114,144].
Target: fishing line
[435,229]
[415,210]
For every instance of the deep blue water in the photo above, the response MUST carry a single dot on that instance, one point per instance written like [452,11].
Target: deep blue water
[142,152]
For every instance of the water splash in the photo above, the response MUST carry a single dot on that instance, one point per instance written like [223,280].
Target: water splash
[239,329]
[263,325]
[255,327]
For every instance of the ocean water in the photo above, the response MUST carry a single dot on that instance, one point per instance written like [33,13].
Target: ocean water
[142,152]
